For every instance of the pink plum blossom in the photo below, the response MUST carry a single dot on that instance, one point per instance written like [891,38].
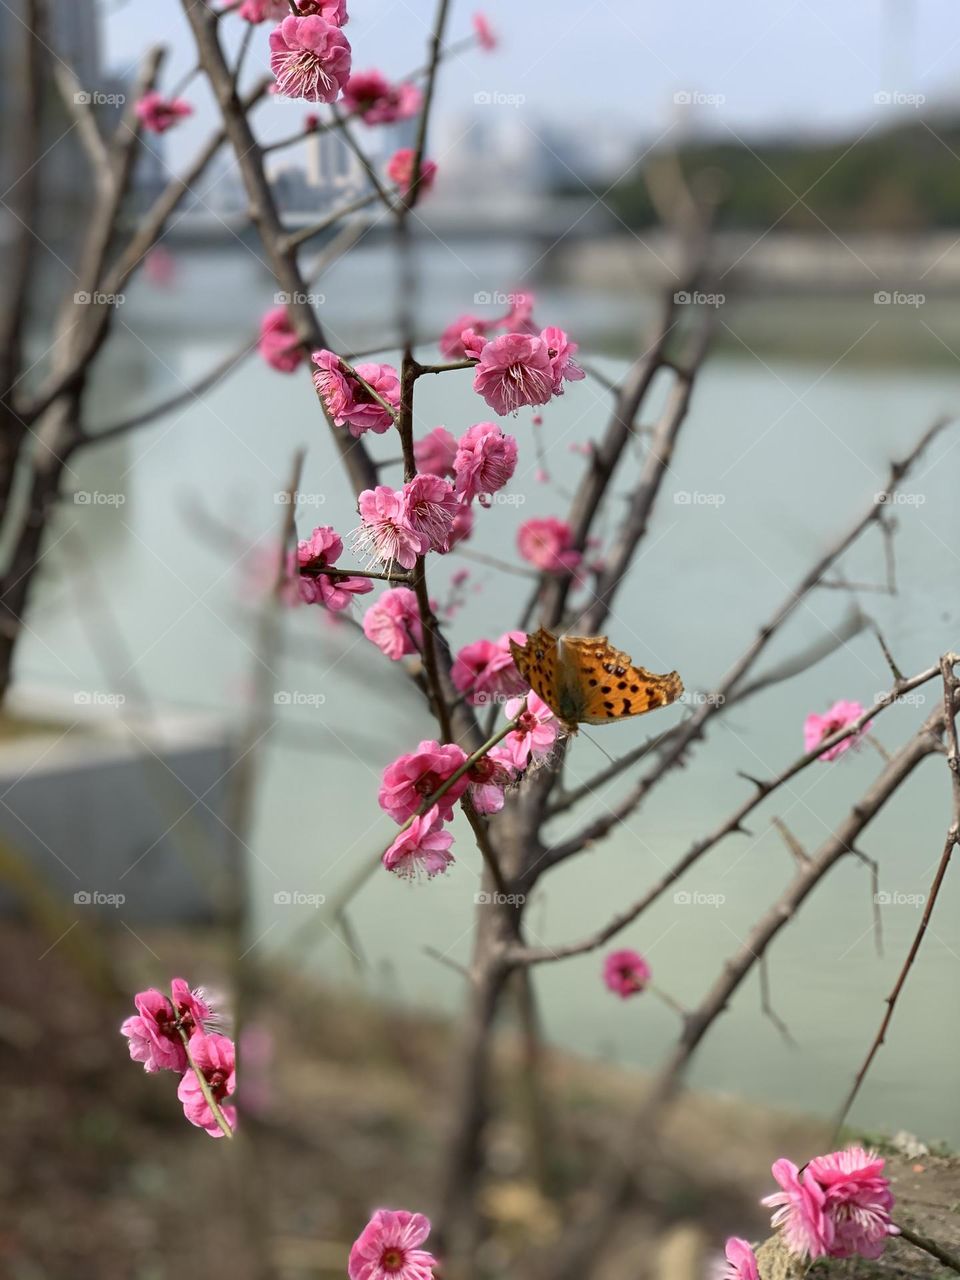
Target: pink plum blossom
[488,778]
[152,1033]
[334,11]
[546,543]
[840,716]
[435,452]
[451,340]
[485,461]
[485,669]
[519,319]
[388,1248]
[393,623]
[625,972]
[257,11]
[158,114]
[423,846]
[371,96]
[400,171]
[411,779]
[310,58]
[160,267]
[335,591]
[385,531]
[348,402]
[431,507]
[514,370]
[535,734]
[839,1206]
[215,1058]
[279,344]
[486,37]
[741,1262]
[561,351]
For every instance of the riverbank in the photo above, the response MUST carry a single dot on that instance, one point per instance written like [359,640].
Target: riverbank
[347,1106]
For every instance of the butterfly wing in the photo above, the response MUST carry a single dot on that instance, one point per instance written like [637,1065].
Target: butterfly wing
[610,686]
[537,662]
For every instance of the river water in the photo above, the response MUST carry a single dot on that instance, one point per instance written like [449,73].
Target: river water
[783,446]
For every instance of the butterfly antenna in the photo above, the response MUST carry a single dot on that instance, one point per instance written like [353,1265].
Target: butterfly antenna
[599,746]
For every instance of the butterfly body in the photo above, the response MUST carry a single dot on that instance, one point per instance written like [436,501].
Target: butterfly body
[584,680]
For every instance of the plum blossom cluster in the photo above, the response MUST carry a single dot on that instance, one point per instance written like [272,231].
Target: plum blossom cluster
[389,1248]
[816,728]
[400,171]
[371,96]
[347,393]
[332,590]
[838,1206]
[176,1033]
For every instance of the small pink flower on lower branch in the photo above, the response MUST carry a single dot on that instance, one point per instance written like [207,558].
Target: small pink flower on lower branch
[215,1058]
[413,778]
[400,171]
[838,1206]
[335,591]
[278,343]
[485,670]
[158,114]
[393,623]
[740,1262]
[626,973]
[423,847]
[388,1248]
[840,716]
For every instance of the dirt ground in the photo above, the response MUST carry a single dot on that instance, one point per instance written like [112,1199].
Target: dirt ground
[344,1108]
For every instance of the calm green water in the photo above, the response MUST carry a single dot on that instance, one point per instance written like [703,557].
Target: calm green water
[793,446]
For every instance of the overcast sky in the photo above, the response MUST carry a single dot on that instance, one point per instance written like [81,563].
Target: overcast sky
[776,65]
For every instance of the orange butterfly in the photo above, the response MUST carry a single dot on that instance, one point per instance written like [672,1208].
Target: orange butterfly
[584,680]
